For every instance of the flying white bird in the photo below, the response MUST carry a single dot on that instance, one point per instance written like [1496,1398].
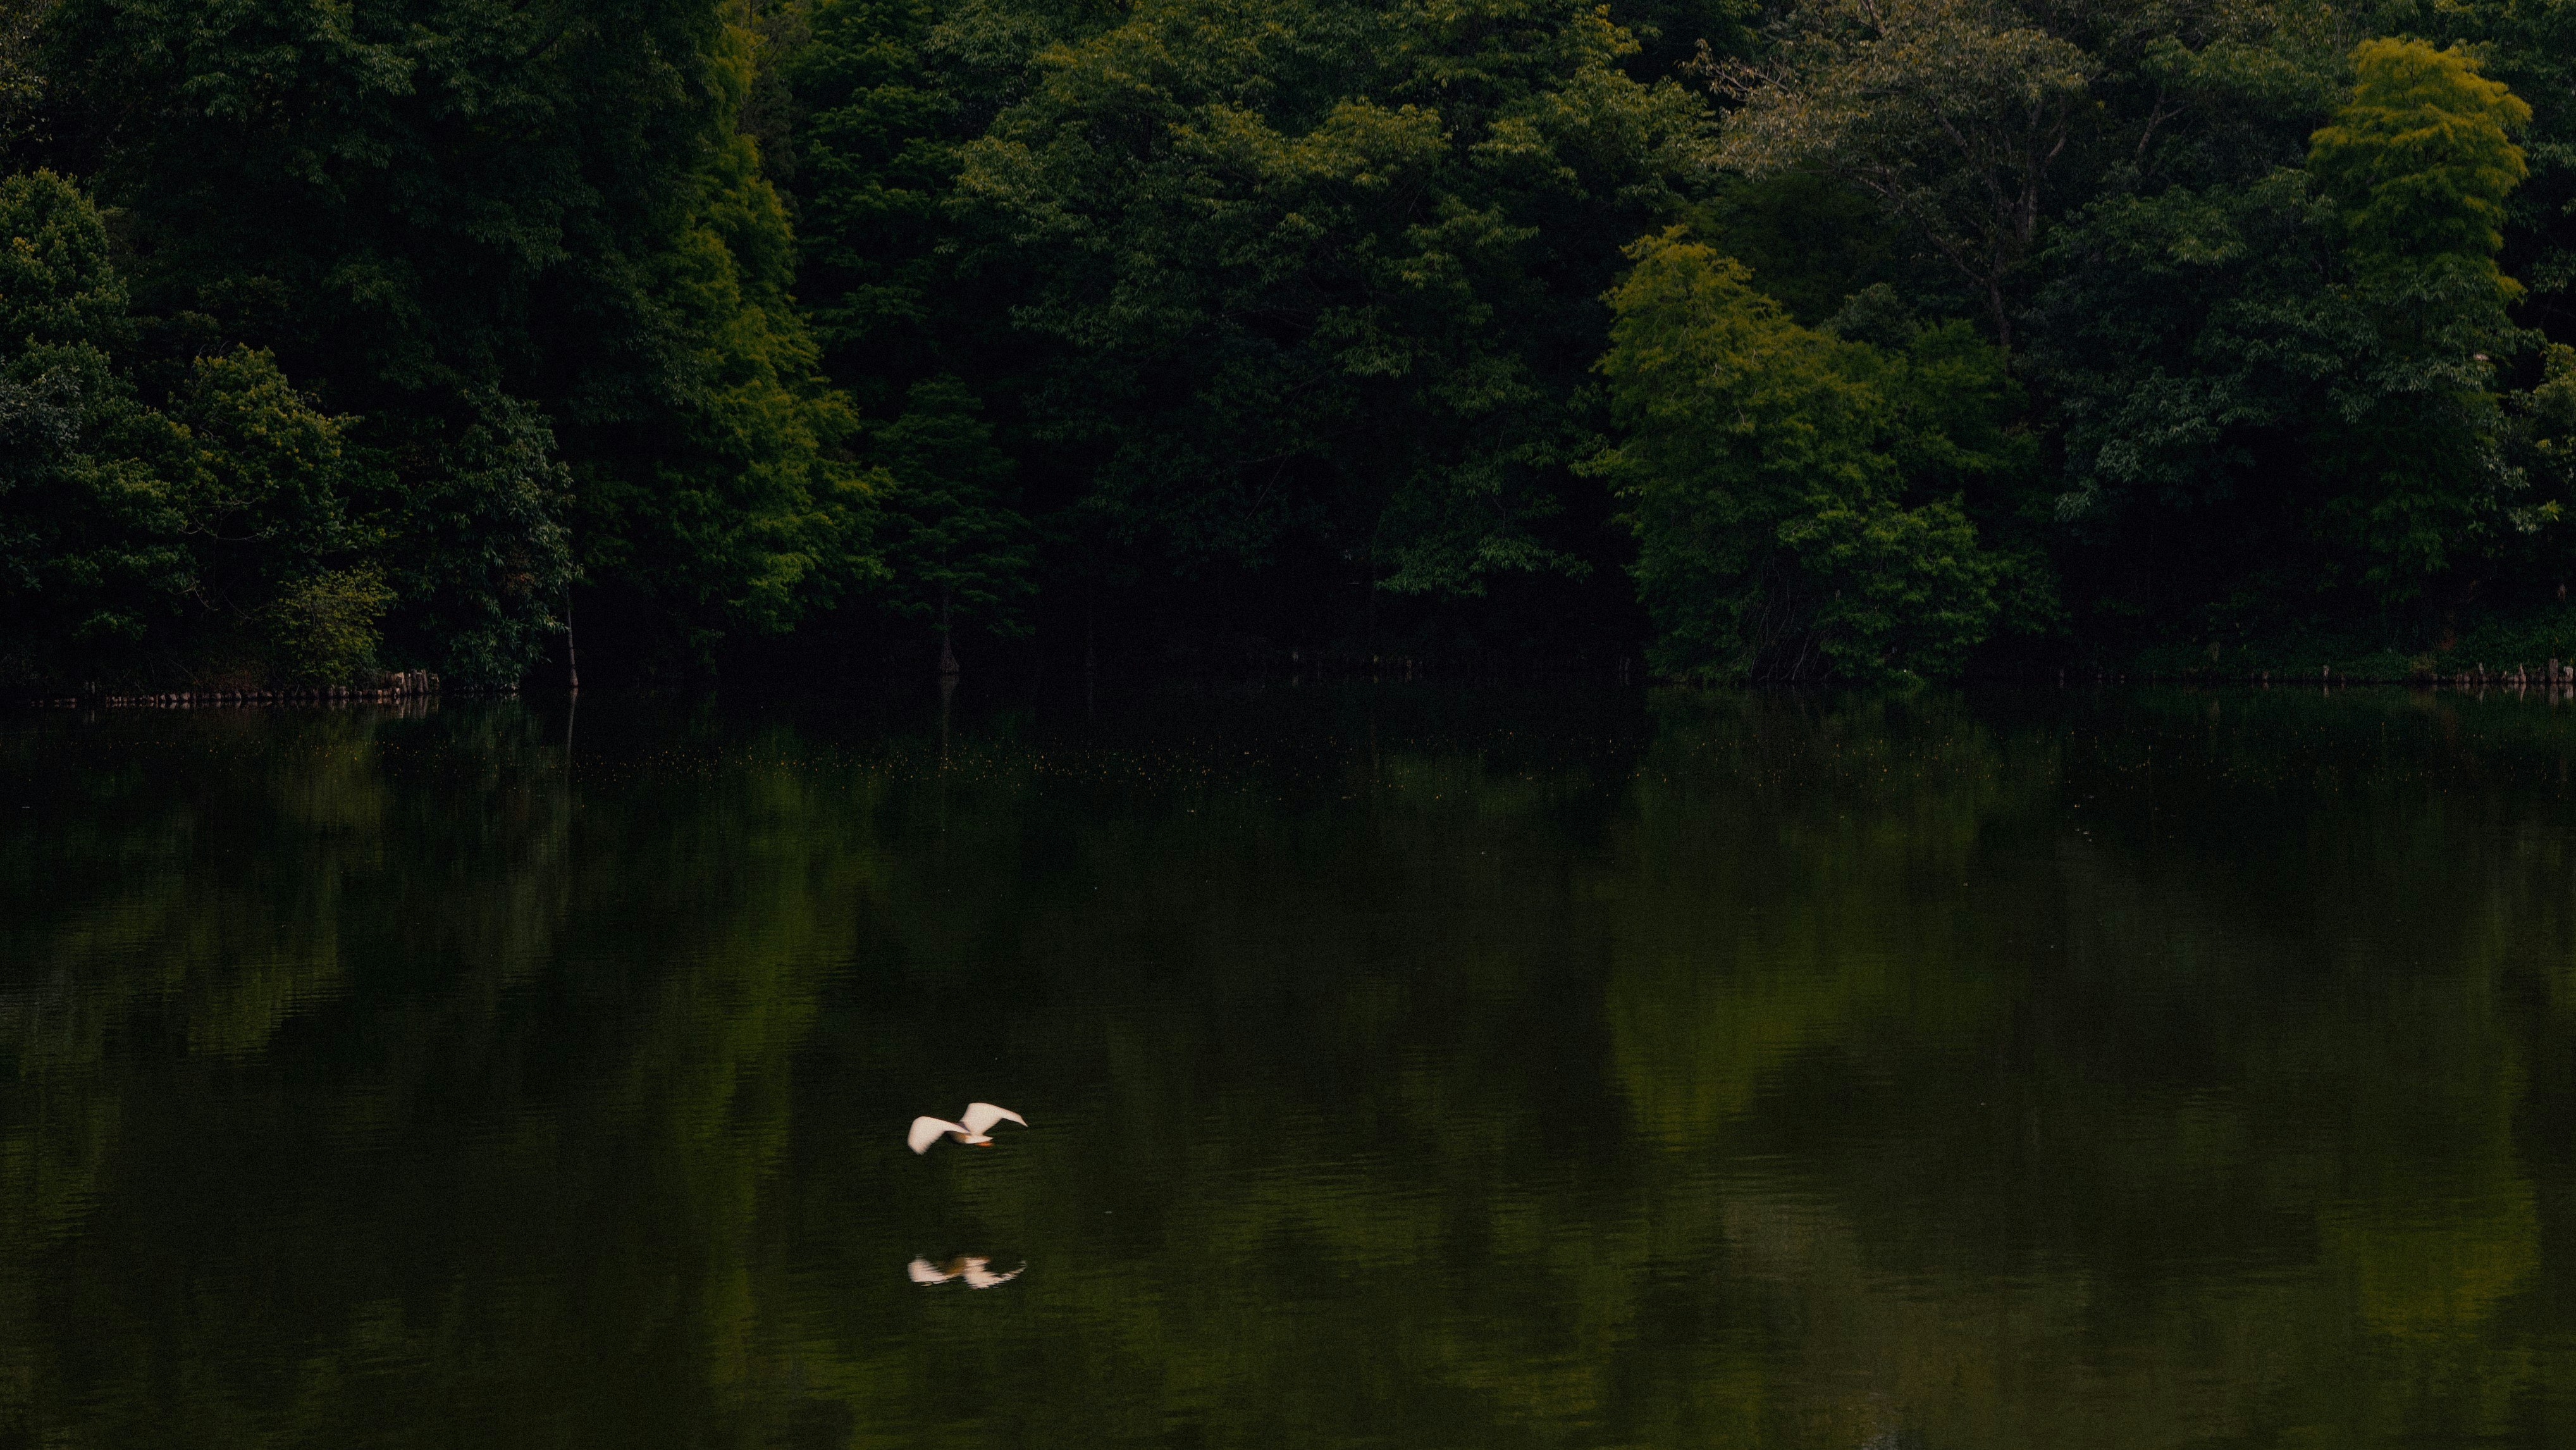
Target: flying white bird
[974,1269]
[976,1129]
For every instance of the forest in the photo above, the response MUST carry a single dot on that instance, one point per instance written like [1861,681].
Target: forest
[1861,340]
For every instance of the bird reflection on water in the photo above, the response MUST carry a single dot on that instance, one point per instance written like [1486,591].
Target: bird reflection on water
[975,1269]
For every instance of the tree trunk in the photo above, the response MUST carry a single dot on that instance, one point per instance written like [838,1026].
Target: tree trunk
[947,648]
[572,659]
[947,697]
[1368,587]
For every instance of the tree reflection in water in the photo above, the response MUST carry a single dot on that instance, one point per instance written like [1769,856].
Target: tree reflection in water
[1418,1067]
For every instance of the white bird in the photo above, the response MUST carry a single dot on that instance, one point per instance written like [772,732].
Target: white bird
[976,1129]
[974,1269]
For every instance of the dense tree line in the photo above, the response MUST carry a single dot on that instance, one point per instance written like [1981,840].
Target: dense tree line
[1851,337]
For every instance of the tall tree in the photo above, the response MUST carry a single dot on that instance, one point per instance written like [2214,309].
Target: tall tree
[1324,274]
[958,548]
[1955,114]
[879,141]
[476,225]
[2421,160]
[2532,49]
[1796,495]
[2419,163]
[20,82]
[211,536]
[2272,376]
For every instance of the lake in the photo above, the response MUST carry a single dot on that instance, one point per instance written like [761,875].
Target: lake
[1405,1066]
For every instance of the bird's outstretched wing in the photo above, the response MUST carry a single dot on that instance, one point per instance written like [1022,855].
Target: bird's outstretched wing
[926,1131]
[923,1271]
[980,1117]
[979,1277]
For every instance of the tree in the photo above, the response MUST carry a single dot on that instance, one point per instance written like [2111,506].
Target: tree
[2421,159]
[1953,113]
[878,157]
[21,85]
[490,231]
[2272,392]
[2419,162]
[956,544]
[1321,275]
[474,502]
[1766,468]
[740,506]
[216,530]
[2532,49]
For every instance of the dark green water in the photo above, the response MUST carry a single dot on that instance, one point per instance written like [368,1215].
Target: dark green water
[1406,1068]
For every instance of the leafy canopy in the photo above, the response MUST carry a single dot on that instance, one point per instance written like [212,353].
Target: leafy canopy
[2422,157]
[1792,491]
[1323,273]
[217,527]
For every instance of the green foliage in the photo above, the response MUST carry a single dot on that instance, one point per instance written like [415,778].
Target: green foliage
[2186,332]
[2531,48]
[1265,310]
[878,156]
[2419,161]
[494,233]
[740,508]
[89,553]
[1814,241]
[478,549]
[323,626]
[21,84]
[2421,158]
[260,477]
[957,546]
[2270,346]
[1953,114]
[56,283]
[2552,409]
[1911,590]
[216,529]
[1767,468]
[1323,273]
